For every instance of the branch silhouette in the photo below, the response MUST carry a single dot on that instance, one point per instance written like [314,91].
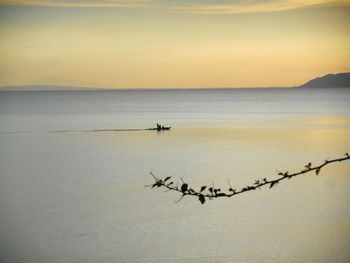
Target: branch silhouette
[209,193]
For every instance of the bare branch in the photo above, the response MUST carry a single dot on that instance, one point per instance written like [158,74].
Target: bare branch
[209,193]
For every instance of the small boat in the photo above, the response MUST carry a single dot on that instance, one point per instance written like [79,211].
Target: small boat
[163,128]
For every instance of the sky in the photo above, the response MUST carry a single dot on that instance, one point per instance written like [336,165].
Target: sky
[172,44]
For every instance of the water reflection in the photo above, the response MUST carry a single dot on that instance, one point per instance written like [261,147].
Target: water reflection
[81,197]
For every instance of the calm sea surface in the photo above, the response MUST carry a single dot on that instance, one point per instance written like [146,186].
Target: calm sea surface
[79,195]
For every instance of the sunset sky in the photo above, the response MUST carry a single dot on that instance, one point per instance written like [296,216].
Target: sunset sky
[172,44]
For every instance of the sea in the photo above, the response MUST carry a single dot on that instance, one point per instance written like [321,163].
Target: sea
[74,165]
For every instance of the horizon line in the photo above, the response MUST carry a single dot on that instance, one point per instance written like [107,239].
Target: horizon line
[77,88]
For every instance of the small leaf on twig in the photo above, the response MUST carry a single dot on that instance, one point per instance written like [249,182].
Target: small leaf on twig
[184,187]
[318,171]
[217,190]
[232,190]
[201,199]
[158,184]
[203,188]
[308,166]
[167,178]
[273,183]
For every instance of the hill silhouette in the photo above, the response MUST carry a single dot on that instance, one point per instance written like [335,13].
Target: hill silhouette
[340,80]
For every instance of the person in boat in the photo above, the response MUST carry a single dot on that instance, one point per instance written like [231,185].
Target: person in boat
[159,127]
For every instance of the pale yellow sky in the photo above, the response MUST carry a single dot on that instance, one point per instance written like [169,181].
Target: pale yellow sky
[172,44]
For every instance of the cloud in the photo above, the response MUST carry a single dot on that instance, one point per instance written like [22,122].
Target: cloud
[262,6]
[80,3]
[188,6]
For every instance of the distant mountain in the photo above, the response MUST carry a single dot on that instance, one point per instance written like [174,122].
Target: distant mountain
[340,80]
[41,88]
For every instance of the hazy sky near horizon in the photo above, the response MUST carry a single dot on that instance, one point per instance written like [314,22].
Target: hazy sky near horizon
[172,44]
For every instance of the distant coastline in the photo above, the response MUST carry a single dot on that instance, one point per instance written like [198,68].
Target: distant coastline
[45,88]
[67,88]
[340,80]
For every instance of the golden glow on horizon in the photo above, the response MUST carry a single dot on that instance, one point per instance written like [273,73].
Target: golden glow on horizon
[152,48]
[259,7]
[205,7]
[77,3]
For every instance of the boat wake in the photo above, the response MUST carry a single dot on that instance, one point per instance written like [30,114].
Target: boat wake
[101,130]
[85,131]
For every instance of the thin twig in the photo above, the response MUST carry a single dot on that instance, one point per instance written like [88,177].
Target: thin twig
[209,193]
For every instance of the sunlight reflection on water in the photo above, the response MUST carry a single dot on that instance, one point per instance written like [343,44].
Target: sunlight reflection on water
[80,196]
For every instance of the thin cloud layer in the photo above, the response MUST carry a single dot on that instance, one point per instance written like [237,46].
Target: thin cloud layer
[80,3]
[237,7]
[190,6]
